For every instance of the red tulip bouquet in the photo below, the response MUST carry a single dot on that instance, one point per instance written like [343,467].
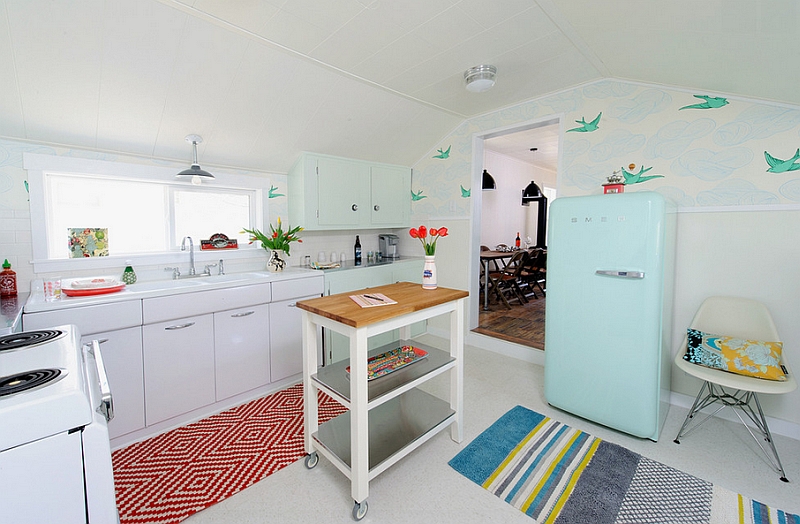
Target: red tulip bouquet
[422,234]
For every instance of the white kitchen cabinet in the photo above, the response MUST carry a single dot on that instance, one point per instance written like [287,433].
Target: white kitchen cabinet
[328,193]
[178,366]
[242,349]
[286,342]
[122,356]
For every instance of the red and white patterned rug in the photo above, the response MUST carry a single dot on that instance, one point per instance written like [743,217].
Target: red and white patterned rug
[169,477]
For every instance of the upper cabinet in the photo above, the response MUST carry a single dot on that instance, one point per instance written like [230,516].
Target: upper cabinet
[328,192]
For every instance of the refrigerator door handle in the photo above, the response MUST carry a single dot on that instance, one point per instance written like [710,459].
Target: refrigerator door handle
[619,274]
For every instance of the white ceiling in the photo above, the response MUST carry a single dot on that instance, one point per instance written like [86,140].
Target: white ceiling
[262,80]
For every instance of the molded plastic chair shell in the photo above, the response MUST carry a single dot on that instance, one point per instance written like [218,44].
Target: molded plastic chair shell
[736,317]
[749,320]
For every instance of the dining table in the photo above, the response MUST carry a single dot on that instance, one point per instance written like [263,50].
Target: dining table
[498,257]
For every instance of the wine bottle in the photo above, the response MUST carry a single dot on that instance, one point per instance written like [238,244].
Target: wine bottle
[357,251]
[516,242]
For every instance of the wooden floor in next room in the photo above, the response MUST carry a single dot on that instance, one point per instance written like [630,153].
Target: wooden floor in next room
[522,324]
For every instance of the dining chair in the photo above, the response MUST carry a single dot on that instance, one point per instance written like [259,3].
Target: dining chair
[534,274]
[748,321]
[509,277]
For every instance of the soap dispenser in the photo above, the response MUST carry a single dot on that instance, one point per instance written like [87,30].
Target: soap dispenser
[129,275]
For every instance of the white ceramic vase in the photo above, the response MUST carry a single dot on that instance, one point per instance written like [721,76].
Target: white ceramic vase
[276,263]
[429,273]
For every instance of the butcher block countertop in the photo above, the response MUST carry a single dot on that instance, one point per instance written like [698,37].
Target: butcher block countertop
[410,297]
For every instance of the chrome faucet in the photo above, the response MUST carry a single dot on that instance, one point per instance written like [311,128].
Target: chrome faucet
[191,254]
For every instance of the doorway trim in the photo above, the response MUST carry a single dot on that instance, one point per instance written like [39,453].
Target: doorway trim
[475,226]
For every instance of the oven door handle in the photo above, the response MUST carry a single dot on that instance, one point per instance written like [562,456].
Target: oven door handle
[106,407]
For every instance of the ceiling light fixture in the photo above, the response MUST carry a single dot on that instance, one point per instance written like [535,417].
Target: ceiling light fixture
[480,78]
[196,174]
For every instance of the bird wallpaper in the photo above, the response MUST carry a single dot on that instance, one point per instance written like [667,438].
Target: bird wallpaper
[700,150]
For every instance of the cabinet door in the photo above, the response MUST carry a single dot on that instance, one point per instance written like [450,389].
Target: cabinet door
[178,366]
[341,192]
[122,356]
[241,350]
[390,200]
[411,271]
[337,347]
[286,339]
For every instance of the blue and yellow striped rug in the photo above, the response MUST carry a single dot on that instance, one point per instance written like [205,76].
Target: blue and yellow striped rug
[557,474]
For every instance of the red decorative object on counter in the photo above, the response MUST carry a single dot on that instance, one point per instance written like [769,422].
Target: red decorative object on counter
[8,281]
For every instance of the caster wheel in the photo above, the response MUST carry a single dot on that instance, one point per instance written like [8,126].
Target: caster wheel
[312,459]
[360,510]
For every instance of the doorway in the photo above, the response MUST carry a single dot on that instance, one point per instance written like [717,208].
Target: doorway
[513,157]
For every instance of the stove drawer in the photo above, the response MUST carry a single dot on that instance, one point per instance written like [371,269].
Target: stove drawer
[89,319]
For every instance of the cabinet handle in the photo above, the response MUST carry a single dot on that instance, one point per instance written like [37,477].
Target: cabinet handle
[377,207]
[102,341]
[179,326]
[293,304]
[237,315]
[355,207]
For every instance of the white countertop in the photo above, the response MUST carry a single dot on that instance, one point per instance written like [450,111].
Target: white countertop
[36,302]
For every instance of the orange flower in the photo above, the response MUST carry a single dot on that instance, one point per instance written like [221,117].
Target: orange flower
[422,233]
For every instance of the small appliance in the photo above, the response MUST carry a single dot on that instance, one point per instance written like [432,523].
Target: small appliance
[55,454]
[388,245]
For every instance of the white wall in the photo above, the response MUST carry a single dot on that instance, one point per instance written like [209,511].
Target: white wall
[503,214]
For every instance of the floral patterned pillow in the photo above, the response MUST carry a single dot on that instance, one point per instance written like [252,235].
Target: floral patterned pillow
[754,358]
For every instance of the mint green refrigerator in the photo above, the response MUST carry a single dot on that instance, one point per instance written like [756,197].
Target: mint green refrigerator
[610,267]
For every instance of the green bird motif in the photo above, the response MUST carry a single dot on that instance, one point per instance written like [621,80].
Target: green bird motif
[586,127]
[443,154]
[711,102]
[417,196]
[776,165]
[465,192]
[631,178]
[272,193]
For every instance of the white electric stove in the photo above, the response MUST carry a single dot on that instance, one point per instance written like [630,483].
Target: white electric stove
[55,456]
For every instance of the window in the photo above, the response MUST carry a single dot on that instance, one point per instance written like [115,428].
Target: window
[142,212]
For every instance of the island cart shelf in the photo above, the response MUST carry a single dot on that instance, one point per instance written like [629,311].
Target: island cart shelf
[390,416]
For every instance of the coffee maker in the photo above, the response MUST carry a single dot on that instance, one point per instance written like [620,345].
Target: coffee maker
[388,245]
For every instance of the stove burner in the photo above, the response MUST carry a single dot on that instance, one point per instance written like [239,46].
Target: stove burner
[28,339]
[27,380]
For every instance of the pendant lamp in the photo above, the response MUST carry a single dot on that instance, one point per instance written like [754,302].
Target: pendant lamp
[194,172]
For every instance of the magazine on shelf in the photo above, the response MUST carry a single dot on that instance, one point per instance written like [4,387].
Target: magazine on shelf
[391,361]
[372,300]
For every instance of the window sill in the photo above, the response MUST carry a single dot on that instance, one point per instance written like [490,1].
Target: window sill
[171,258]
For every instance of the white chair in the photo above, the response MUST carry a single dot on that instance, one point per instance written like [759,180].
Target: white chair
[747,319]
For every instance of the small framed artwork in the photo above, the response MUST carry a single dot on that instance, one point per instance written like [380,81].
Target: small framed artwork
[87,242]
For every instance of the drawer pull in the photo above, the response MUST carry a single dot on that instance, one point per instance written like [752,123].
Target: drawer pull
[293,304]
[179,326]
[237,315]
[102,341]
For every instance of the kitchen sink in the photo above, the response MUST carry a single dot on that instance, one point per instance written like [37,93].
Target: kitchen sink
[232,277]
[163,284]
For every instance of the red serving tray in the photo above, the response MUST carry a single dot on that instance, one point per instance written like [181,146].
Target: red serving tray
[70,292]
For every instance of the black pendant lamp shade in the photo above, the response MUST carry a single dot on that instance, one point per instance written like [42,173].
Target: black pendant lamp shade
[488,182]
[194,170]
[532,193]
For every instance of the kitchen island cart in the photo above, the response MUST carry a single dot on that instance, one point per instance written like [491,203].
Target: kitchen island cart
[389,416]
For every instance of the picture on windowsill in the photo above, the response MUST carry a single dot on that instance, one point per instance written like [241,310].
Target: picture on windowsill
[87,242]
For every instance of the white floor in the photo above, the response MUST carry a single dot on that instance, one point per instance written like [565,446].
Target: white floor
[423,488]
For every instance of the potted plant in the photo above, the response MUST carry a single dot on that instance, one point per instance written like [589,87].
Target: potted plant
[277,240]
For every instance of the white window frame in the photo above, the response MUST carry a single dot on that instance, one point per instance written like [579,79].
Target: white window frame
[37,165]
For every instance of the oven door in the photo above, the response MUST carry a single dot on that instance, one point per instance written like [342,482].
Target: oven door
[42,481]
[100,498]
